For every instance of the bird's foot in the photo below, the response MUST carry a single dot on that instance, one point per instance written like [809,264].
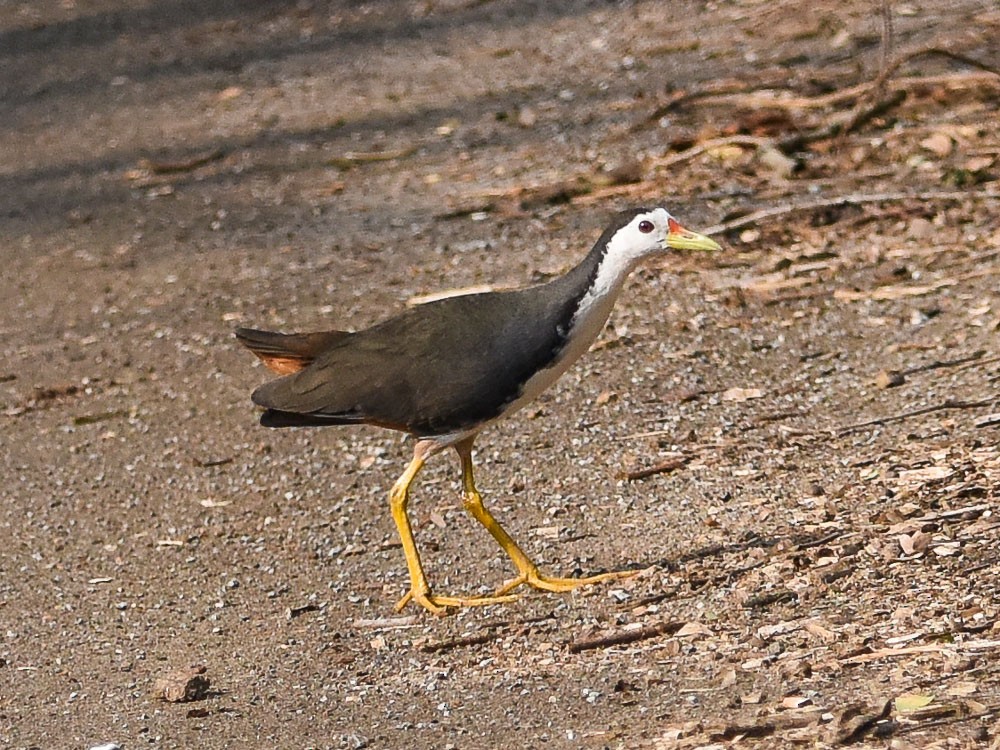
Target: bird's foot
[532,577]
[444,605]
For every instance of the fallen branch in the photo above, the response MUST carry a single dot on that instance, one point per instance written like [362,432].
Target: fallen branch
[974,511]
[663,467]
[388,623]
[709,145]
[980,363]
[183,165]
[467,640]
[884,653]
[760,99]
[840,127]
[854,726]
[625,636]
[354,158]
[854,199]
[938,364]
[933,50]
[949,405]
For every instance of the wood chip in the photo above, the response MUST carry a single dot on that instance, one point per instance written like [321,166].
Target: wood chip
[741,394]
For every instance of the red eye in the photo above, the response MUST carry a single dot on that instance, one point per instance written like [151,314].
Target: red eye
[645,227]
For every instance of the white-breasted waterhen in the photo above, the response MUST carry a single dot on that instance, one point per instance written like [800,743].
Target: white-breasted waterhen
[445,370]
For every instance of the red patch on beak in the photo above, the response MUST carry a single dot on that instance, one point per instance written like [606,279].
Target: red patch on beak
[674,226]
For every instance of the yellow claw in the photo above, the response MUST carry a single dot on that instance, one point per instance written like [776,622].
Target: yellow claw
[445,605]
[528,573]
[532,577]
[420,591]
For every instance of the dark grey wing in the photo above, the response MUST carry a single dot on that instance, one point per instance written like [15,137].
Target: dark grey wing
[436,368]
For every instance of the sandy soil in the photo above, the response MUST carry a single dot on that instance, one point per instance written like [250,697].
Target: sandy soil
[820,564]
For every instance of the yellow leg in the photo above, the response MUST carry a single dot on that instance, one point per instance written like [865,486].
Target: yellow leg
[528,572]
[419,589]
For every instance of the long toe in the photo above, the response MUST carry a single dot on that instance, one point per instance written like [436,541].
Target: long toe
[445,605]
[559,585]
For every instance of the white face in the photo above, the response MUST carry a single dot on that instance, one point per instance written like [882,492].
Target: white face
[645,235]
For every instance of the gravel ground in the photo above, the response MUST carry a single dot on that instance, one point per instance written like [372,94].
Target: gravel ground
[815,409]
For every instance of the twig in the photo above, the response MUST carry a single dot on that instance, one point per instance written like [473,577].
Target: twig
[818,541]
[978,510]
[467,640]
[625,636]
[353,158]
[773,597]
[858,726]
[938,365]
[409,621]
[182,165]
[885,49]
[948,405]
[933,50]
[955,717]
[980,363]
[862,115]
[491,632]
[883,653]
[769,99]
[854,199]
[661,468]
[713,143]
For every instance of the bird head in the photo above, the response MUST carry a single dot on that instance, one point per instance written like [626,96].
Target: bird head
[651,231]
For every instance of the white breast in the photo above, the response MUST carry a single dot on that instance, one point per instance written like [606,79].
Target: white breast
[588,321]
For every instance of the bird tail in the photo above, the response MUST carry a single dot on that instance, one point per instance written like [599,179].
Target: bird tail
[287,353]
[279,418]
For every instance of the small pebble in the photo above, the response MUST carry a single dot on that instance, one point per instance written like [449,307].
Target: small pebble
[182,685]
[889,379]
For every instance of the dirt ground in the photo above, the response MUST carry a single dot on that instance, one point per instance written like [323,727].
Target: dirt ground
[816,408]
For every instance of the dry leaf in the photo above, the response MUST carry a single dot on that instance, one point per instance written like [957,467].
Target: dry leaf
[776,161]
[795,701]
[888,293]
[209,503]
[962,689]
[725,153]
[230,92]
[604,397]
[926,474]
[692,628]
[915,543]
[547,532]
[988,421]
[741,394]
[912,701]
[946,549]
[817,630]
[939,144]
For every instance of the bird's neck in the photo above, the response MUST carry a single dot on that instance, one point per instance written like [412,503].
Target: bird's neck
[596,282]
[590,290]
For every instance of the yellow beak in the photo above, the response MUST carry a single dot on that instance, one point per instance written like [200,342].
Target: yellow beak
[679,238]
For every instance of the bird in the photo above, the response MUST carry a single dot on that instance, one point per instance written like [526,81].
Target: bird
[446,370]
